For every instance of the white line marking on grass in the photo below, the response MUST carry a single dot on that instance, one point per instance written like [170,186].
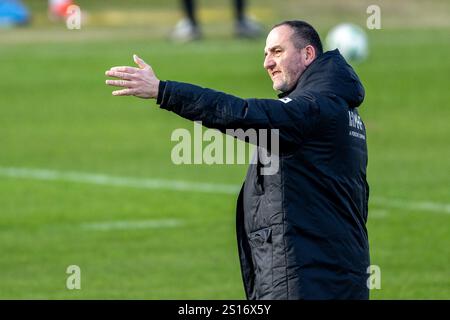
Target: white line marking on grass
[103,179]
[129,224]
[443,208]
[179,185]
[378,214]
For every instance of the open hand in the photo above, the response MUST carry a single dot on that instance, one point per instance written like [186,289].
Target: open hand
[139,82]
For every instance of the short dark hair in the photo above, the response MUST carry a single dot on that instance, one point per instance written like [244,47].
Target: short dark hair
[304,34]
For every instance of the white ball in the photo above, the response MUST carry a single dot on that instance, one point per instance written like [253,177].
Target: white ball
[351,41]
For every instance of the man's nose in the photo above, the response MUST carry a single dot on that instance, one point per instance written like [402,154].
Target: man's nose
[269,63]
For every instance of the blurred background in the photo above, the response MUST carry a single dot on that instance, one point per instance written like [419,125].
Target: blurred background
[87,179]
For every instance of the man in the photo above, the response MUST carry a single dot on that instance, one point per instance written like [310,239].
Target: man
[301,232]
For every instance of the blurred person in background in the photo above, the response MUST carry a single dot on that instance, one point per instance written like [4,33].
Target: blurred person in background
[188,28]
[13,13]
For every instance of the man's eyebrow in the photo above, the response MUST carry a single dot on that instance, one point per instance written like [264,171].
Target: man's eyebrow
[273,48]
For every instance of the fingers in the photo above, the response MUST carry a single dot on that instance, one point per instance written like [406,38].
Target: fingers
[125,69]
[141,63]
[119,83]
[124,92]
[140,82]
[130,70]
[120,75]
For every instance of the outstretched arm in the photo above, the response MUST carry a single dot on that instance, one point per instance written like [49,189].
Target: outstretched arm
[294,118]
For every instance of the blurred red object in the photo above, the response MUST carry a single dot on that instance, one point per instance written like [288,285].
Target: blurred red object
[57,9]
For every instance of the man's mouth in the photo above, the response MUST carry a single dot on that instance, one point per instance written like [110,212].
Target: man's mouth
[274,73]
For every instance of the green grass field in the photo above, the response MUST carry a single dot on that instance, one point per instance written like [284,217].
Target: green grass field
[56,114]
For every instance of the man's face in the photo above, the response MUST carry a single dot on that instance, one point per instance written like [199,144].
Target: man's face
[284,63]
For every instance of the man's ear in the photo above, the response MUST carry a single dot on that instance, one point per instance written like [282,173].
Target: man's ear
[309,54]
